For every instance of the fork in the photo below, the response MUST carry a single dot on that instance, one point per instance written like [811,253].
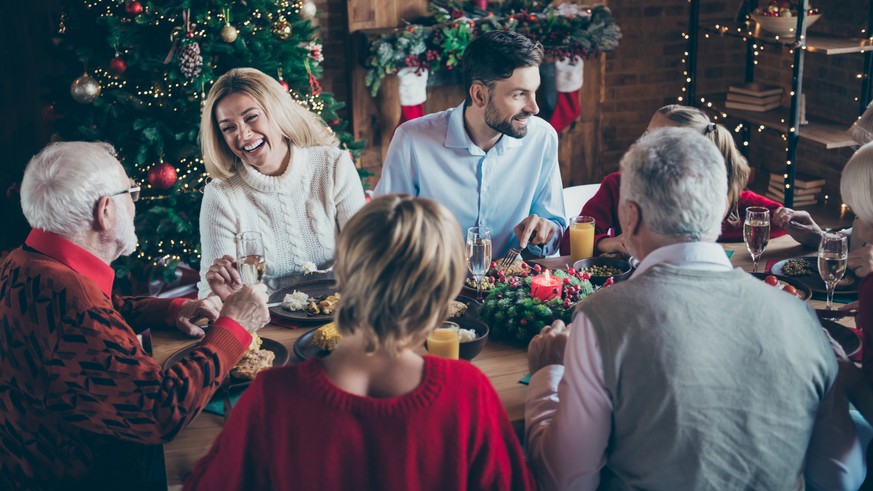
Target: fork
[507,260]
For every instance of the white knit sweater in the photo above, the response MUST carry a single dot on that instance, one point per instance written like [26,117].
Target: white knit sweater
[299,213]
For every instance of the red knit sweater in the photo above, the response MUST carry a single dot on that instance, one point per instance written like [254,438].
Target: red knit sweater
[78,395]
[603,206]
[294,429]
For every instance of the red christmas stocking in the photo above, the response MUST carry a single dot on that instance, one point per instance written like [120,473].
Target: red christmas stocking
[568,81]
[413,92]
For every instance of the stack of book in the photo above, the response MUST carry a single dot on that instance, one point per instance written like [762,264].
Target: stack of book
[805,189]
[753,96]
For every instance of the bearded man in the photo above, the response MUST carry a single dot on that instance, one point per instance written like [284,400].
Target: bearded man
[491,161]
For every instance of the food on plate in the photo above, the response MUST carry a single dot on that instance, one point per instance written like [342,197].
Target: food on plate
[487,283]
[309,267]
[457,308]
[253,361]
[797,267]
[326,337]
[788,288]
[324,306]
[295,301]
[602,270]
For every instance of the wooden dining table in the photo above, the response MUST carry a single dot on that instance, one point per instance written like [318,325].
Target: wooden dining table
[505,365]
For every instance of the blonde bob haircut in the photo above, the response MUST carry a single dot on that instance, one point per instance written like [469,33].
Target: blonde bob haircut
[299,126]
[856,183]
[400,261]
[736,164]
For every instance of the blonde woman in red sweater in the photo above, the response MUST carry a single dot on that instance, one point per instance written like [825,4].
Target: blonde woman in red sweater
[603,206]
[375,414]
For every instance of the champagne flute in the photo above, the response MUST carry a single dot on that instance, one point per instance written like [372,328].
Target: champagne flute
[833,253]
[756,232]
[250,257]
[478,252]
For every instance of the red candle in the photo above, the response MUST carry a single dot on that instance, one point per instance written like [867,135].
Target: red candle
[545,287]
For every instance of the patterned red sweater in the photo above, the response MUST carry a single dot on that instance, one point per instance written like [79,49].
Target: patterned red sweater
[603,206]
[294,429]
[79,397]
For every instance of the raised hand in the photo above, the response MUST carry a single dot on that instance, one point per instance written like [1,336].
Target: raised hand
[223,278]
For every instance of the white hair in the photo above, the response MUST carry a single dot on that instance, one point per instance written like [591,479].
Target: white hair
[856,183]
[677,177]
[63,182]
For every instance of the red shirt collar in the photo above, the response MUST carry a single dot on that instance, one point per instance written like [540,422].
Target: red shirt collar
[76,258]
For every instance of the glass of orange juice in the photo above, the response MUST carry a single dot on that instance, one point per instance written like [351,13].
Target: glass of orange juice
[444,342]
[581,238]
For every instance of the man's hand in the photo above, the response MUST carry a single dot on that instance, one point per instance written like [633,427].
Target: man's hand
[861,260]
[613,246]
[192,310]
[547,347]
[223,278]
[248,306]
[534,230]
[799,225]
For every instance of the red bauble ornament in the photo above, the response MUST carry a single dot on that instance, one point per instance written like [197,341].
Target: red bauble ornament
[117,65]
[285,85]
[133,8]
[162,176]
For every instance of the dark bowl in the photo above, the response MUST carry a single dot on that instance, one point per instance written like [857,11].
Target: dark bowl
[470,349]
[621,264]
[803,290]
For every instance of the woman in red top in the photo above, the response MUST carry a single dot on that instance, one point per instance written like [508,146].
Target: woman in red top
[375,414]
[603,206]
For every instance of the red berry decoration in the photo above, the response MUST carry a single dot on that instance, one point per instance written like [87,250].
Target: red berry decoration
[133,8]
[285,85]
[608,281]
[524,266]
[586,276]
[524,274]
[117,65]
[538,268]
[566,281]
[571,271]
[162,176]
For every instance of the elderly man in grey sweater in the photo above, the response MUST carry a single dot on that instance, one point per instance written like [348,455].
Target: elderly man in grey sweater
[692,374]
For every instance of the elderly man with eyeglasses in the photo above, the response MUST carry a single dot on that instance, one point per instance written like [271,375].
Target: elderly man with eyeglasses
[81,403]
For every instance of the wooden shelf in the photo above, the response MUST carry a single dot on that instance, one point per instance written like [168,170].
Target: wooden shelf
[826,133]
[815,43]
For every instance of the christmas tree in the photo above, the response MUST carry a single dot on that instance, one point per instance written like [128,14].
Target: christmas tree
[138,75]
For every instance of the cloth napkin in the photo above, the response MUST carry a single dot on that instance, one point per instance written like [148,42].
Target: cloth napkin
[216,404]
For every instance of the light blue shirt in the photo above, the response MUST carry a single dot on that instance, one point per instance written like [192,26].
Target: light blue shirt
[433,157]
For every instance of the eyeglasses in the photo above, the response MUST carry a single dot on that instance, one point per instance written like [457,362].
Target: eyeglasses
[134,191]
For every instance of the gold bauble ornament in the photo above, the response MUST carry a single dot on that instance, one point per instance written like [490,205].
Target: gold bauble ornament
[229,33]
[281,29]
[85,89]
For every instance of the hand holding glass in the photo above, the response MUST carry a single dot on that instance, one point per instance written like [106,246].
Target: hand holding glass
[833,254]
[250,257]
[756,232]
[478,253]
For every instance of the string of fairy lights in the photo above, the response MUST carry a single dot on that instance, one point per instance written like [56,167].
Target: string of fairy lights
[177,94]
[745,33]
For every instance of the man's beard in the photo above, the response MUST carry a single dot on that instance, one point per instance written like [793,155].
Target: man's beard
[126,238]
[492,119]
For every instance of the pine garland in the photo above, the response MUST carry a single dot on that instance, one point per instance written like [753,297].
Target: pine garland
[565,31]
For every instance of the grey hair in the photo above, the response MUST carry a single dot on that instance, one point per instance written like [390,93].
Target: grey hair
[856,183]
[677,178]
[63,182]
